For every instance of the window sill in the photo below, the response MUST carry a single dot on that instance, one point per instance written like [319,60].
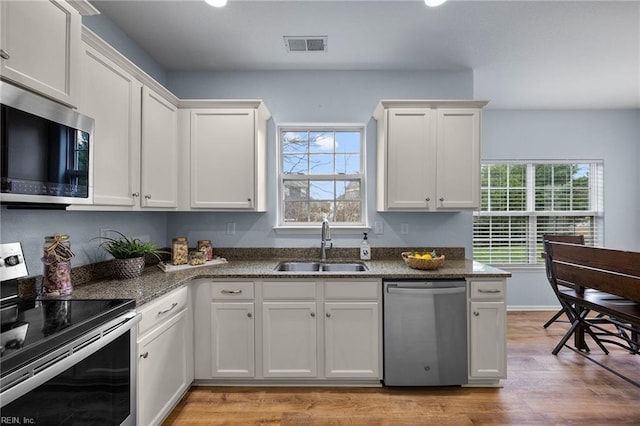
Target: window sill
[315,229]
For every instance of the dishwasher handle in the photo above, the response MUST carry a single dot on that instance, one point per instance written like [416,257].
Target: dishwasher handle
[425,291]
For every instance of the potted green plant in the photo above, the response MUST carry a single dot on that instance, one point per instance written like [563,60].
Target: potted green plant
[129,254]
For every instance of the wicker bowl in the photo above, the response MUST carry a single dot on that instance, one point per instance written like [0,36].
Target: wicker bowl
[412,262]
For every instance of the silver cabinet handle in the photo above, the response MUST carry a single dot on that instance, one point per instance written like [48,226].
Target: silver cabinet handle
[428,199]
[249,314]
[441,198]
[313,314]
[147,197]
[231,291]
[4,54]
[328,314]
[493,291]
[135,194]
[173,305]
[144,355]
[476,313]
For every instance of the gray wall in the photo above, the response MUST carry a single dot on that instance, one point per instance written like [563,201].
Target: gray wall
[612,136]
[329,97]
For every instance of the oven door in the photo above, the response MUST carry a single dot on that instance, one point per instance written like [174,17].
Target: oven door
[90,381]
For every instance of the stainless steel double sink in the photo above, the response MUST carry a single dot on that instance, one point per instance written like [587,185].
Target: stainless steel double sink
[297,266]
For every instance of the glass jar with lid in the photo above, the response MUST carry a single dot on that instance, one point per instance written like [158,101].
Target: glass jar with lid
[179,251]
[57,257]
[206,247]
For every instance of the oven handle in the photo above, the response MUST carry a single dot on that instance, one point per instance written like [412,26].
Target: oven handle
[25,380]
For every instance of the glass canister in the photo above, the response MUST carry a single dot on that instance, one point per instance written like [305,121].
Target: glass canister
[179,251]
[206,247]
[197,258]
[57,266]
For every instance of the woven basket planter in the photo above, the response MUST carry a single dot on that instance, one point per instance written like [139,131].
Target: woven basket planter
[128,268]
[426,264]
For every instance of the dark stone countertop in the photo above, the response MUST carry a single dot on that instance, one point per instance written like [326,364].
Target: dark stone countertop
[154,282]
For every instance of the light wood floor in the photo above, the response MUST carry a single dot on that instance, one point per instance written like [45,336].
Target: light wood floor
[541,389]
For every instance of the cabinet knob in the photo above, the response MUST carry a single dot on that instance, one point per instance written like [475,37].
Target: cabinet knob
[147,197]
[328,314]
[144,355]
[476,313]
[313,314]
[249,314]
[4,54]
[135,194]
[428,199]
[441,199]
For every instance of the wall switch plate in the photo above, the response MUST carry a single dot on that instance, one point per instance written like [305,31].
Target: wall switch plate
[378,227]
[231,228]
[404,228]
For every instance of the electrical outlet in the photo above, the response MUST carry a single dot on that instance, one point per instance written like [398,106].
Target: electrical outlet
[404,228]
[231,228]
[378,227]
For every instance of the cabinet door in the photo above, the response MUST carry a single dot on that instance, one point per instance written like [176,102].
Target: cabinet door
[112,97]
[223,159]
[352,345]
[289,339]
[458,158]
[41,47]
[163,369]
[410,159]
[487,339]
[159,156]
[232,339]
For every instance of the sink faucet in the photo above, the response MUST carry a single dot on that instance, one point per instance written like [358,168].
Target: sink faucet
[326,238]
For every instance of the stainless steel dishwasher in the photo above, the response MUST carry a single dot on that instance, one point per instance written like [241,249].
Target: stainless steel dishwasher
[425,333]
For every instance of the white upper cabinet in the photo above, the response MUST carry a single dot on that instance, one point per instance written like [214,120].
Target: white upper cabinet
[428,155]
[40,47]
[159,153]
[225,168]
[135,139]
[112,97]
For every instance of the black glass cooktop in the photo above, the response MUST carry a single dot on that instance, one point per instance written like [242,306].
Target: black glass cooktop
[32,328]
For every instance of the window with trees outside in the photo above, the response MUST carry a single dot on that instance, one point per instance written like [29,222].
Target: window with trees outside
[523,201]
[321,174]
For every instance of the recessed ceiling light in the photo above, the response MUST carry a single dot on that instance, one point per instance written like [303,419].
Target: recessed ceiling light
[216,3]
[434,3]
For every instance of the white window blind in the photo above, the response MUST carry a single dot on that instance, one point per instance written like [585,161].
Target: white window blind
[523,201]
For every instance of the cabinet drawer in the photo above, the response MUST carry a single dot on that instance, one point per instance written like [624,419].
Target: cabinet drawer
[352,290]
[282,290]
[494,289]
[161,309]
[232,290]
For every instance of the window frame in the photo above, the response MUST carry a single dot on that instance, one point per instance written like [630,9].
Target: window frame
[293,227]
[596,195]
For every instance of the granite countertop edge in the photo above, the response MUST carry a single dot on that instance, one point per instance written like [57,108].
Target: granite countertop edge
[153,283]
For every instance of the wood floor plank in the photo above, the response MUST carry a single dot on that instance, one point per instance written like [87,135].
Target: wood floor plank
[542,389]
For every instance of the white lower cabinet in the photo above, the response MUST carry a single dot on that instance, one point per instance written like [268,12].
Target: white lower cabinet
[232,339]
[487,331]
[352,339]
[289,339]
[165,356]
[301,330]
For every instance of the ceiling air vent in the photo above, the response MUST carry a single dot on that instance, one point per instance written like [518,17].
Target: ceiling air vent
[305,43]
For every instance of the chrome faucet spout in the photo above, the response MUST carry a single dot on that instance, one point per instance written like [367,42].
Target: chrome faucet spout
[325,238]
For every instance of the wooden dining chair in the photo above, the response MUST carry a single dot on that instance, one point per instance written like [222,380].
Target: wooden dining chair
[572,239]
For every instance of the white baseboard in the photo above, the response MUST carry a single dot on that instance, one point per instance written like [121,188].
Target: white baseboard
[516,308]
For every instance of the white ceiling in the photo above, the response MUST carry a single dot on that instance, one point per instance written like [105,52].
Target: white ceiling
[524,54]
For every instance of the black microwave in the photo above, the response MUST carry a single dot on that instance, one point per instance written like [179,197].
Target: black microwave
[46,152]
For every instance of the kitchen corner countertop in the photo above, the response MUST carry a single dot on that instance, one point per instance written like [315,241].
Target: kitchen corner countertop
[154,282]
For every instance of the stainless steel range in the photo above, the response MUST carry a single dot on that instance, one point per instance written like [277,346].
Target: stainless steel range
[67,362]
